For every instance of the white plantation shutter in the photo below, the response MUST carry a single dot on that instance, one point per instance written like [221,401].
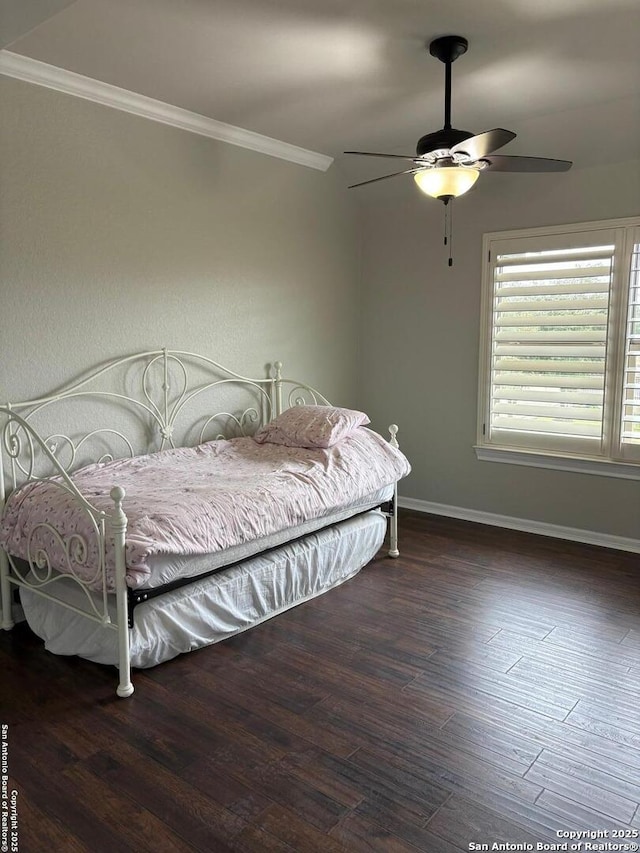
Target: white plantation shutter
[630,426]
[560,372]
[549,337]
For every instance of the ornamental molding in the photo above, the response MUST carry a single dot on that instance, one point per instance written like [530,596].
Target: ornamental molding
[51,77]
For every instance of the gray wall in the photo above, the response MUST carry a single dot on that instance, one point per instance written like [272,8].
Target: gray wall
[420,334]
[121,234]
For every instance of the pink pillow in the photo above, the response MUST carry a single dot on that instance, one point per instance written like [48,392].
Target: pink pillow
[311,426]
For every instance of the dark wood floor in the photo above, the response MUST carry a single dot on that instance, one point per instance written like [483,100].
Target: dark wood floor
[485,687]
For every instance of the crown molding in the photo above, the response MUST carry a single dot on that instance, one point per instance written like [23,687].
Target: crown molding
[42,74]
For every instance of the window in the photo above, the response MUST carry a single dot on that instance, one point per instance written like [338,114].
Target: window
[560,348]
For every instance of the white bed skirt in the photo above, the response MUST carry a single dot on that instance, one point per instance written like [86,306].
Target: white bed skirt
[217,607]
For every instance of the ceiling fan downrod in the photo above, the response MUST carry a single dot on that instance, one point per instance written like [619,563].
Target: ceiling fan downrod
[447,49]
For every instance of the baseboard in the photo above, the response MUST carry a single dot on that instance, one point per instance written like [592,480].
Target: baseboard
[526,525]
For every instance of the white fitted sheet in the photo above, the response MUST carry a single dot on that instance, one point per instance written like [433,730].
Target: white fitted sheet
[170,567]
[214,608]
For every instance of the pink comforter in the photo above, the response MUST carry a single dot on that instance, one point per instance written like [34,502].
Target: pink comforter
[198,500]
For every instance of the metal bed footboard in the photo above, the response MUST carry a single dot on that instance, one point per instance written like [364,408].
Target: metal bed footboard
[21,442]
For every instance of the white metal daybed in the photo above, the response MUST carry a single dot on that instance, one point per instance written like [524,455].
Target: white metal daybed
[83,586]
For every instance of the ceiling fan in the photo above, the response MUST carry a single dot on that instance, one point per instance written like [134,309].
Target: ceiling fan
[448,162]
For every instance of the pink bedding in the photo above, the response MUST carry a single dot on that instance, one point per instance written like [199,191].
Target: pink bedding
[199,500]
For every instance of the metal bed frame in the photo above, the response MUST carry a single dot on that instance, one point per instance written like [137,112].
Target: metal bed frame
[168,384]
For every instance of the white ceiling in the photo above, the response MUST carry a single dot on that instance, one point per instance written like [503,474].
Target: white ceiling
[330,75]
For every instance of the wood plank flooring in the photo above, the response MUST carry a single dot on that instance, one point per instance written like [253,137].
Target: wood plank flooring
[484,687]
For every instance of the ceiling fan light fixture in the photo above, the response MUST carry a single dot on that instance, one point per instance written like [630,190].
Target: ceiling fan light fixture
[446,182]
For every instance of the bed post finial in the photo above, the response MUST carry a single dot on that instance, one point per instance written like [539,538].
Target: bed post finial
[118,524]
[393,431]
[393,520]
[277,403]
[117,496]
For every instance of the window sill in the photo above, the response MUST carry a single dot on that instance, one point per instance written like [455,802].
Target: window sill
[577,464]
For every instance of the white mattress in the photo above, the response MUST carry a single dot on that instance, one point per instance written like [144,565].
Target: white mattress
[170,567]
[217,607]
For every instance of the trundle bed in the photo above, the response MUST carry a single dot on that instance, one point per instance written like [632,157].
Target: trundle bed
[164,502]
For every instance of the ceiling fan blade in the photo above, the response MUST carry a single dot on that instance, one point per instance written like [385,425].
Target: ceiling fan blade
[501,163]
[395,156]
[384,178]
[484,143]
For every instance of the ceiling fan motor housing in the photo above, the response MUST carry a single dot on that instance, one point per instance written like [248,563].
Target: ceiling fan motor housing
[441,139]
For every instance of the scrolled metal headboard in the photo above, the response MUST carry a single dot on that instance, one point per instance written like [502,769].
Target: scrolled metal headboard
[170,398]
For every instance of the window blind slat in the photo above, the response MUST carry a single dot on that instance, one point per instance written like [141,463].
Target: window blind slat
[597,303]
[592,429]
[587,253]
[568,396]
[563,320]
[536,365]
[545,380]
[568,287]
[555,335]
[558,411]
[588,350]
[549,272]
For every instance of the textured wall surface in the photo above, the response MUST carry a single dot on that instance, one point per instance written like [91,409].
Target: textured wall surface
[422,337]
[121,234]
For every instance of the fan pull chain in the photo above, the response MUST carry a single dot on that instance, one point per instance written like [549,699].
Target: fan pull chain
[448,227]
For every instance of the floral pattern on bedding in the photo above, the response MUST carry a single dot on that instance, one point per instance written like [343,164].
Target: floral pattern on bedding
[197,500]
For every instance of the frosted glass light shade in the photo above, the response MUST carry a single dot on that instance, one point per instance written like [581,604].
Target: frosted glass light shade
[446,181]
